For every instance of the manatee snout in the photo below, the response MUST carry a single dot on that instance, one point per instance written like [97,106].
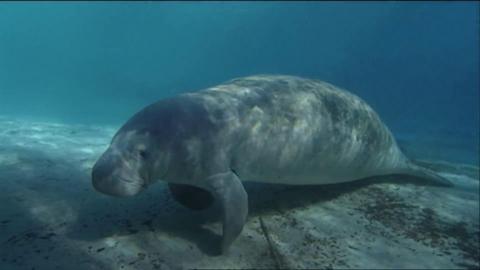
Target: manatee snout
[112,175]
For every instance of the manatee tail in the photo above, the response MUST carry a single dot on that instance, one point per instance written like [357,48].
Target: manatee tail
[428,174]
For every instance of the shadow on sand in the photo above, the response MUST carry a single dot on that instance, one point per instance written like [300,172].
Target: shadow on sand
[156,211]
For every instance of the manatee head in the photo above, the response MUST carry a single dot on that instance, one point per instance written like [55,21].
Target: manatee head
[129,164]
[147,147]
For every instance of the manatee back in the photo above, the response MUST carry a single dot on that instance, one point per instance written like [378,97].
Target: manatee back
[285,127]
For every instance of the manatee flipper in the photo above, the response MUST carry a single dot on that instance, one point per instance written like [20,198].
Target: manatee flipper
[227,188]
[190,196]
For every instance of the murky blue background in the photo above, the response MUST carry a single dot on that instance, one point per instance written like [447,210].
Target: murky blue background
[416,63]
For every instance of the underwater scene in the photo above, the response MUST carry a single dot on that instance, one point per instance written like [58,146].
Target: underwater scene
[239,135]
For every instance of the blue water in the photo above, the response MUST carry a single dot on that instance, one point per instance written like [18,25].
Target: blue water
[416,63]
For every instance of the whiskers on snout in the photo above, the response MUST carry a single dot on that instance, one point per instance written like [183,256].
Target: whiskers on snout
[116,181]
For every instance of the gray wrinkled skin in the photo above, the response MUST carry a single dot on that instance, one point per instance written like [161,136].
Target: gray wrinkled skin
[284,129]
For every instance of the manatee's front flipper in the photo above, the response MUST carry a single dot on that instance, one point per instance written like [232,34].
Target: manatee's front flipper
[190,196]
[228,190]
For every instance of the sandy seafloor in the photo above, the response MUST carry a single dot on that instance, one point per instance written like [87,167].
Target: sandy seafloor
[51,217]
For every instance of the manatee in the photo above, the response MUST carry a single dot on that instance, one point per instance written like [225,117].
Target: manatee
[265,128]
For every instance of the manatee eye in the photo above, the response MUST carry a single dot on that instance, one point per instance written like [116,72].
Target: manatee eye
[143,153]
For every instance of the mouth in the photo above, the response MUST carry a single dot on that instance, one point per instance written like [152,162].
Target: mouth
[138,182]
